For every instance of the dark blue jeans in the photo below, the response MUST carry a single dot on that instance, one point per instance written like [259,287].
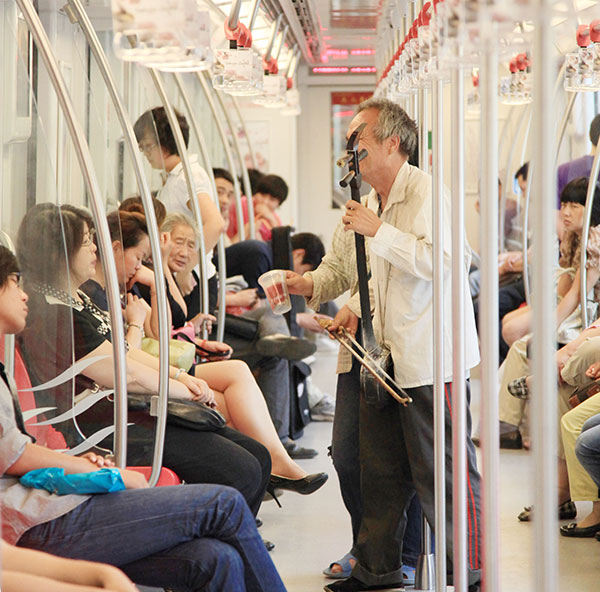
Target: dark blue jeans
[587,448]
[188,537]
[345,456]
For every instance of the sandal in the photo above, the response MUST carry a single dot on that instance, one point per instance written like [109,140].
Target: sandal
[346,566]
[572,530]
[518,388]
[566,511]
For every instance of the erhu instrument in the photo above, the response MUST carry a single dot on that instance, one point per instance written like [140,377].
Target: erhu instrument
[376,383]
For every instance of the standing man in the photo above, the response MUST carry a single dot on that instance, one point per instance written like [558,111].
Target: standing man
[396,443]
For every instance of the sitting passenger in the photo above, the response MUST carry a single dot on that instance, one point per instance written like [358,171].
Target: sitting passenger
[234,389]
[157,141]
[264,354]
[193,537]
[271,192]
[66,327]
[516,365]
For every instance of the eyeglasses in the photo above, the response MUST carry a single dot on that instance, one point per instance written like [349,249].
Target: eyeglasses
[146,147]
[89,240]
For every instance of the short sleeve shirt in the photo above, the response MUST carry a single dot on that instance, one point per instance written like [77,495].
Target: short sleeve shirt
[175,195]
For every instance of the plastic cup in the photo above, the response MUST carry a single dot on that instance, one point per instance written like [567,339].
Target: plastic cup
[275,287]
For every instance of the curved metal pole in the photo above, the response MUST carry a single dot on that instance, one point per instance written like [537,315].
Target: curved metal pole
[108,262]
[439,411]
[245,176]
[508,173]
[230,162]
[234,14]
[78,14]
[243,123]
[272,35]
[204,152]
[563,124]
[504,196]
[544,395]
[9,339]
[459,395]
[585,234]
[191,187]
[489,313]
[526,222]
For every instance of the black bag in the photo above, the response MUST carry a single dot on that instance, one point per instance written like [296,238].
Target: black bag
[299,408]
[183,413]
[194,416]
[241,327]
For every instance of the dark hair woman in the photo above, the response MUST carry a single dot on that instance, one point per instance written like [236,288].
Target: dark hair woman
[68,335]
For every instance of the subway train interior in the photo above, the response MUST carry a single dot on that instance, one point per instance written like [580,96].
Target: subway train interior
[291,295]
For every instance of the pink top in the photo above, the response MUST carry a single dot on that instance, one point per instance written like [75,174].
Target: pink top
[263,226]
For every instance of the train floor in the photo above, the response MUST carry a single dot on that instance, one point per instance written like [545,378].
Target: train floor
[311,531]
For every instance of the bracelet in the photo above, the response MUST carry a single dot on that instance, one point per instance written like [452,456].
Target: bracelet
[178,373]
[137,327]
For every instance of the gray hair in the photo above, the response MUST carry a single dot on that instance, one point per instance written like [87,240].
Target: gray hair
[392,121]
[177,219]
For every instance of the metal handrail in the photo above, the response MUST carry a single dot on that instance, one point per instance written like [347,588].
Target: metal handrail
[108,263]
[503,197]
[243,124]
[585,234]
[245,176]
[439,410]
[526,219]
[203,78]
[204,153]
[544,395]
[9,339]
[77,14]
[424,572]
[191,187]
[489,311]
[459,397]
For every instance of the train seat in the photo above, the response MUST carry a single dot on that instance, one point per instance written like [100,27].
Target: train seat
[50,437]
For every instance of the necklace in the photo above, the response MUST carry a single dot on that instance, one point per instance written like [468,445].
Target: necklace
[85,303]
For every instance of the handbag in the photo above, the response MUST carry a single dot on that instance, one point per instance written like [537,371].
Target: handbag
[194,416]
[241,327]
[181,353]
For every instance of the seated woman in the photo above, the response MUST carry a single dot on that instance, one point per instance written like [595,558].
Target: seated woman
[58,255]
[517,323]
[193,537]
[516,365]
[236,393]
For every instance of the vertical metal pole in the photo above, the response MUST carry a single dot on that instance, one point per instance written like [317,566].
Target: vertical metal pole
[544,395]
[77,14]
[439,411]
[459,402]
[97,205]
[204,153]
[229,156]
[425,572]
[488,84]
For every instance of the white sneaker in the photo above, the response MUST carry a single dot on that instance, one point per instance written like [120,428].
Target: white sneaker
[324,410]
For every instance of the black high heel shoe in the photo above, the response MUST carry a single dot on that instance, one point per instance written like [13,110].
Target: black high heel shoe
[304,486]
[271,492]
